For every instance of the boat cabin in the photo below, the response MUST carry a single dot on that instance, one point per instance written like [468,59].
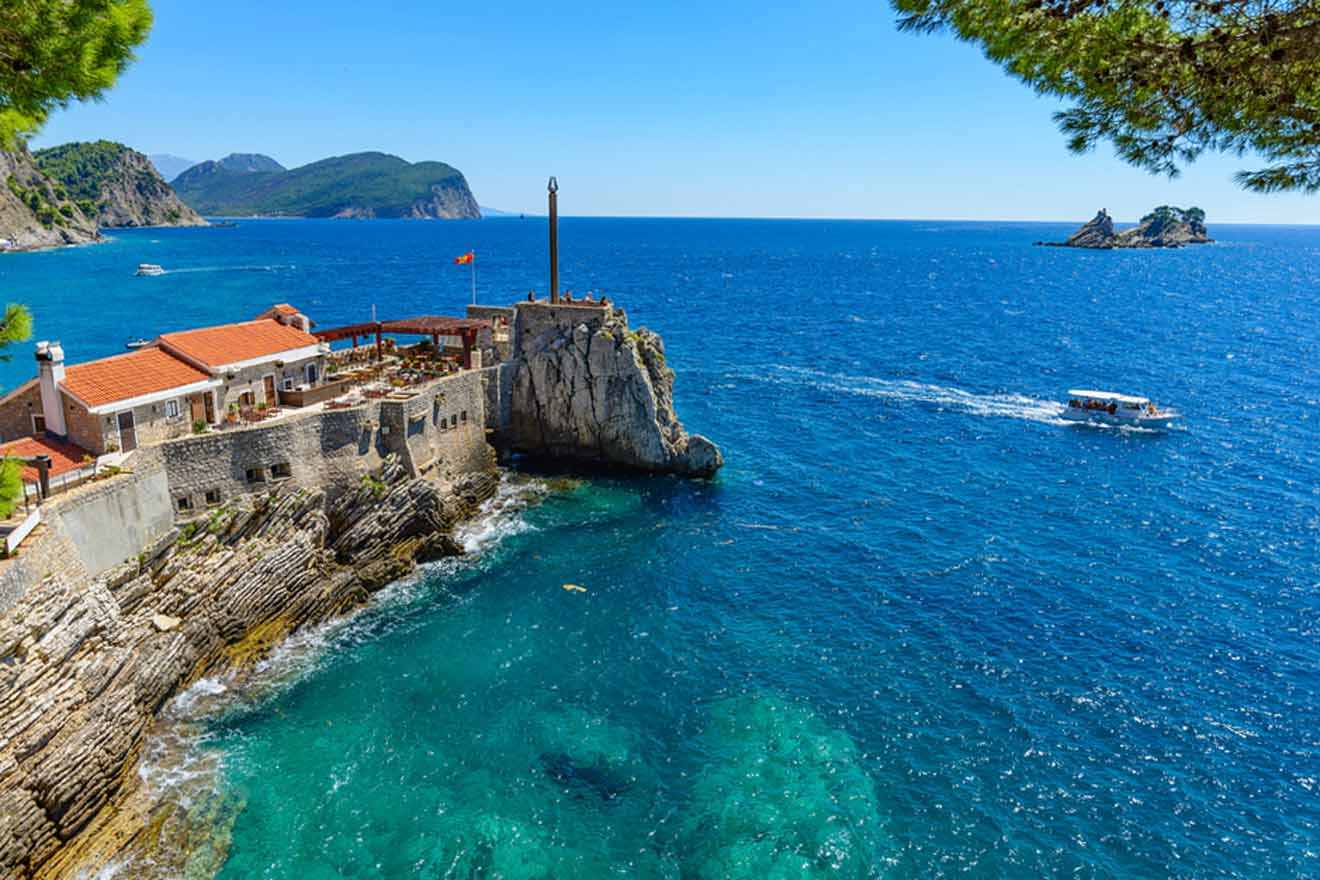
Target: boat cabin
[1109,401]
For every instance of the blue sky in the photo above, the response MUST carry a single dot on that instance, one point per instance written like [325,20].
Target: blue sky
[681,108]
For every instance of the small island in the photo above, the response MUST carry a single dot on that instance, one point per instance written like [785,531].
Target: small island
[1165,227]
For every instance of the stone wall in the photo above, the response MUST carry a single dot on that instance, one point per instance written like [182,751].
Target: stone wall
[497,386]
[17,409]
[442,431]
[533,319]
[499,338]
[317,448]
[92,528]
[111,521]
[84,429]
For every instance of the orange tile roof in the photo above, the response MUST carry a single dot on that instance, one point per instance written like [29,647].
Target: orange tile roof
[283,309]
[64,457]
[231,343]
[145,371]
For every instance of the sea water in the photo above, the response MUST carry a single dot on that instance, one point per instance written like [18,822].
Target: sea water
[917,627]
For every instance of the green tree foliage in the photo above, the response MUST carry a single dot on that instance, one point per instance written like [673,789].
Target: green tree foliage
[15,327]
[1163,80]
[56,51]
[11,486]
[81,168]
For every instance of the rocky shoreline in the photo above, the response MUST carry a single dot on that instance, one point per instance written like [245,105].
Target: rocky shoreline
[1165,227]
[85,668]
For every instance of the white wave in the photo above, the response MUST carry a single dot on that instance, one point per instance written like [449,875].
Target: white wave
[942,397]
[178,769]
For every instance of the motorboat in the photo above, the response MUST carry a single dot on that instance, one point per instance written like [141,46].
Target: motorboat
[135,344]
[150,269]
[1119,410]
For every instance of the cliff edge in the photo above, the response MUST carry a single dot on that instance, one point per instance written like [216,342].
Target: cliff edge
[34,212]
[585,386]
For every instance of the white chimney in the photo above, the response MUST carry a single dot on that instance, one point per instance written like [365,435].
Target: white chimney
[50,373]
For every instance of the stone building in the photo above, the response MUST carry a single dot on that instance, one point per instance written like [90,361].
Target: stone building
[160,392]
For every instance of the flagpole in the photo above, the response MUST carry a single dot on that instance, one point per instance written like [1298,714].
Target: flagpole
[474,278]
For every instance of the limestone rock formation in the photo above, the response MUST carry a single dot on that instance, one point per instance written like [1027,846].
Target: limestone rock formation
[1165,227]
[84,667]
[118,185]
[593,389]
[34,212]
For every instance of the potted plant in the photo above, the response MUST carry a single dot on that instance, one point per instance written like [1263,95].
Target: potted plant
[231,414]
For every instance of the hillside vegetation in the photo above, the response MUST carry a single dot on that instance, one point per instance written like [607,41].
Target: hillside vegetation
[114,184]
[358,185]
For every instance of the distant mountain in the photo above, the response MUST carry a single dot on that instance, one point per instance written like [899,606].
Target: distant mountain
[115,185]
[361,185]
[249,163]
[169,165]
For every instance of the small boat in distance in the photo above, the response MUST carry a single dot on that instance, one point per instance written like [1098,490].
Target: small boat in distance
[135,344]
[150,269]
[1112,408]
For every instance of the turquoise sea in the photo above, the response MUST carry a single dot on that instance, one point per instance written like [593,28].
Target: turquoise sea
[917,628]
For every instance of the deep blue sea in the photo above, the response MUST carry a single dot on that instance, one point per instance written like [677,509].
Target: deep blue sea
[916,628]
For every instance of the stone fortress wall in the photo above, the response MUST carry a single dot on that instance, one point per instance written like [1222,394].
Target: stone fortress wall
[439,433]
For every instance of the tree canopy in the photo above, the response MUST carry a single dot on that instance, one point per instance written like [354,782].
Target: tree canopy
[1163,80]
[56,51]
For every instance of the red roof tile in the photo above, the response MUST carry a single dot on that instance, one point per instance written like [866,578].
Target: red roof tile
[64,457]
[124,376]
[231,343]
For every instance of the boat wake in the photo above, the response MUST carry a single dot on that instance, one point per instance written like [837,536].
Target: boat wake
[942,398]
[196,269]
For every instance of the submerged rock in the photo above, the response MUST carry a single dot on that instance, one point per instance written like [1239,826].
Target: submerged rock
[781,795]
[594,389]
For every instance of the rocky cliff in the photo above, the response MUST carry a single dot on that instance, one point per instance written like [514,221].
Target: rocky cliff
[34,212]
[1165,227]
[585,386]
[117,185]
[84,667]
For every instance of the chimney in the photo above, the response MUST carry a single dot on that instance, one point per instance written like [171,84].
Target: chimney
[553,188]
[50,373]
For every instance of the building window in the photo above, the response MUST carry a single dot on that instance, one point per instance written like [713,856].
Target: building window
[212,497]
[312,373]
[256,475]
[288,383]
[464,416]
[280,471]
[416,426]
[171,409]
[38,424]
[183,503]
[453,421]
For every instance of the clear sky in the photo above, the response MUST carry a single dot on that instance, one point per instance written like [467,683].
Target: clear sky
[676,108]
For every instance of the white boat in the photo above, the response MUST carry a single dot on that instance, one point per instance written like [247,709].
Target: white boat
[150,269]
[135,344]
[1112,408]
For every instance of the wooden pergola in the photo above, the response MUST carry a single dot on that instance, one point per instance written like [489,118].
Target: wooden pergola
[433,326]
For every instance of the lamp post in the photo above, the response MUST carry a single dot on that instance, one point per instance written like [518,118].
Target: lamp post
[553,189]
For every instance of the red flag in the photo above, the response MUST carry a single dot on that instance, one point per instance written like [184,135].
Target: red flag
[465,259]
